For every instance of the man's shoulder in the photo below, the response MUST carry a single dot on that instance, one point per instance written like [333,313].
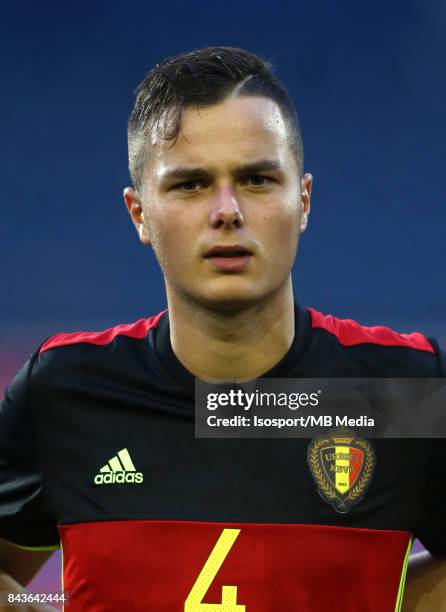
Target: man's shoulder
[87,353]
[136,330]
[377,349]
[65,361]
[348,332]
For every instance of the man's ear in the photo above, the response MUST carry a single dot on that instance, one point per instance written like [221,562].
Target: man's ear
[306,188]
[133,203]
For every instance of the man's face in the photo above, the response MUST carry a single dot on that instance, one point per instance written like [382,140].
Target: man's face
[223,206]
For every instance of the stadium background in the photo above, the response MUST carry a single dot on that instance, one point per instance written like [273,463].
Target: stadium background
[368,82]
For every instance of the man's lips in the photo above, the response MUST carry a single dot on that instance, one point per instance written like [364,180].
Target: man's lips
[235,250]
[234,258]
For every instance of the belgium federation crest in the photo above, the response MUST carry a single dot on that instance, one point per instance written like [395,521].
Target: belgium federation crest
[342,465]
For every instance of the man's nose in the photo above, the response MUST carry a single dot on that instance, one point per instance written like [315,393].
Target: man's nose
[225,213]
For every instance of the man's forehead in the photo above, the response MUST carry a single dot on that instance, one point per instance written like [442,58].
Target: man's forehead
[234,118]
[235,132]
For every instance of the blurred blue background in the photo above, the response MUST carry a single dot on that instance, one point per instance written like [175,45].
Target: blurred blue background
[368,82]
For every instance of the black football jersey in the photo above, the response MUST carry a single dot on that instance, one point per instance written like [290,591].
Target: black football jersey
[98,456]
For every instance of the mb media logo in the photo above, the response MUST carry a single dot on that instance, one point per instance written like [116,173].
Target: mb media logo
[119,469]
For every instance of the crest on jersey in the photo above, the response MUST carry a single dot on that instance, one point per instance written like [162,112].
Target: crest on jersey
[342,464]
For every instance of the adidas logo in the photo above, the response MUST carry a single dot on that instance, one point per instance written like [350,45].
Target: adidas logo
[119,469]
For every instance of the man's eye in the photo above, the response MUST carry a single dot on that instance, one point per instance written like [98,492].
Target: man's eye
[188,186]
[258,180]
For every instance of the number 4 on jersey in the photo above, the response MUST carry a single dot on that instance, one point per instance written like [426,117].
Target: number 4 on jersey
[210,569]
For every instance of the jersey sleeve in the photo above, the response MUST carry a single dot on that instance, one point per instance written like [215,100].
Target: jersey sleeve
[431,529]
[24,519]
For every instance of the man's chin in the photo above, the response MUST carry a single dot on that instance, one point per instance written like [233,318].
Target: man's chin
[229,298]
[231,301]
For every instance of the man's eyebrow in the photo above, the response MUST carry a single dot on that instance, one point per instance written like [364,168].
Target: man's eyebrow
[185,173]
[262,165]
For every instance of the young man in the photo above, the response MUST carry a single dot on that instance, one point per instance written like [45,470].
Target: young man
[97,430]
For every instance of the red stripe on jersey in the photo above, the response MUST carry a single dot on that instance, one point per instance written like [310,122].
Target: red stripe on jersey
[159,565]
[137,330]
[355,465]
[351,333]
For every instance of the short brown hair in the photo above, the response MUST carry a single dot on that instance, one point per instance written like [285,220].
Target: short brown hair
[201,78]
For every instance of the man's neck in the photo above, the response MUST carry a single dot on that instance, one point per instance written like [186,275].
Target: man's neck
[239,345]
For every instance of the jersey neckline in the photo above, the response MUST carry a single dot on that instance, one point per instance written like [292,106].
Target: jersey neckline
[286,367]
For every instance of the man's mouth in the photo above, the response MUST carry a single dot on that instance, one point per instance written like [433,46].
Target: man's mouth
[234,258]
[228,251]
[230,254]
